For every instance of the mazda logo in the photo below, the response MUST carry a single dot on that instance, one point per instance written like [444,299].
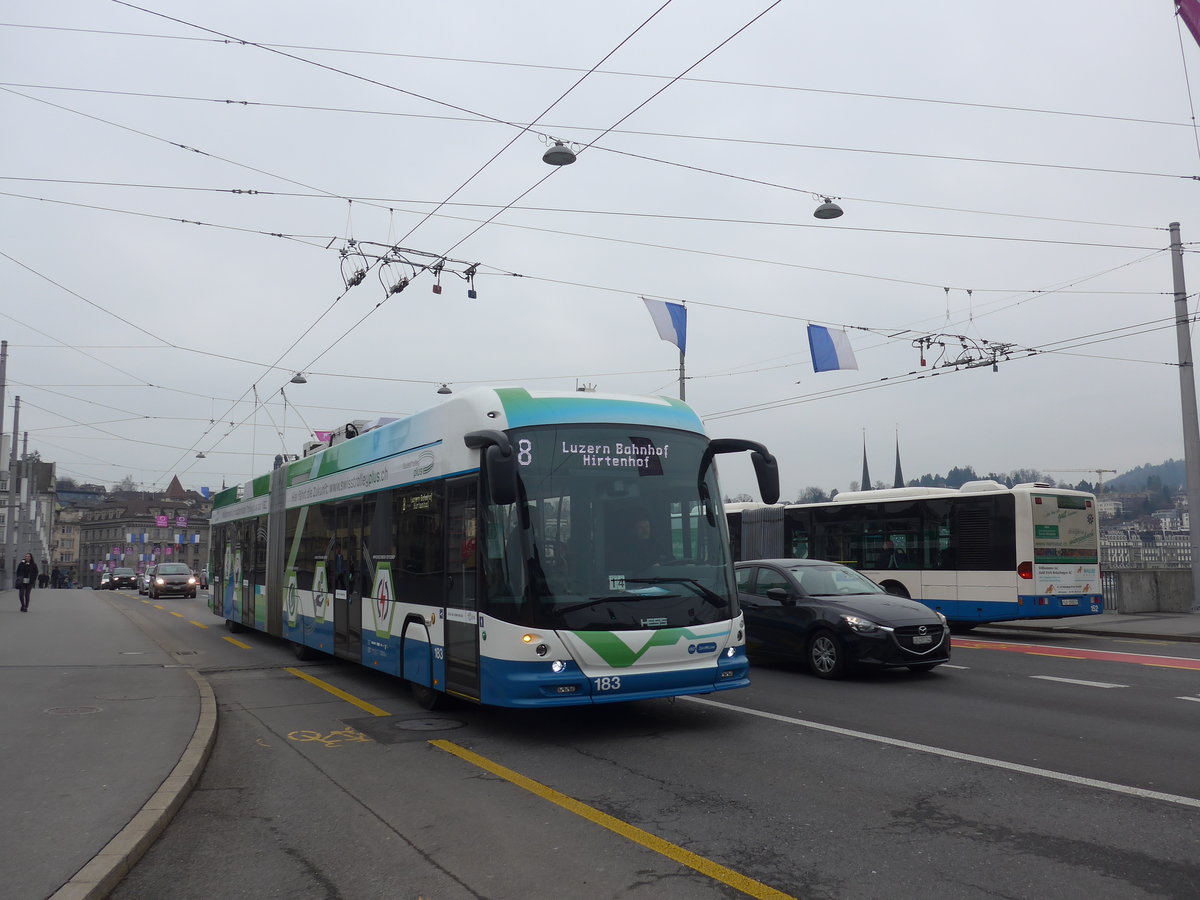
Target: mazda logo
[923,629]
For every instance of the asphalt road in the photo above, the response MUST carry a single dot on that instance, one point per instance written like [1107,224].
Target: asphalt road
[1042,767]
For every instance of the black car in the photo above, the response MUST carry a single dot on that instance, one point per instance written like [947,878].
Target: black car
[172,578]
[123,578]
[833,618]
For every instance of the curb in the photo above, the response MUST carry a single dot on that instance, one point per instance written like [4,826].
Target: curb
[99,877]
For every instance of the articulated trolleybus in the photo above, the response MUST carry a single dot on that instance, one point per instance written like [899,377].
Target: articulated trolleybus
[981,553]
[510,547]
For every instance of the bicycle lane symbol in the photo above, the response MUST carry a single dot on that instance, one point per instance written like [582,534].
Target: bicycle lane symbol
[332,739]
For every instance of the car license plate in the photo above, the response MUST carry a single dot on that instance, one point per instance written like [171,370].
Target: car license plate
[1070,601]
[922,638]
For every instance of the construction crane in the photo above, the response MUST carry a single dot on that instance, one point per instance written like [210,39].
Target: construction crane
[1098,472]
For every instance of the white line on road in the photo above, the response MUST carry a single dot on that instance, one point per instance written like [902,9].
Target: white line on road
[948,666]
[954,754]
[1194,699]
[1099,684]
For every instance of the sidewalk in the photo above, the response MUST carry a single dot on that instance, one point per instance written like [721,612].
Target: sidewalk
[1158,626]
[105,734]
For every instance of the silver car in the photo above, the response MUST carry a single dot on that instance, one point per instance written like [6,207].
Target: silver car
[172,578]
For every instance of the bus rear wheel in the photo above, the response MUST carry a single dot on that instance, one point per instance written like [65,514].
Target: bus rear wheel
[303,652]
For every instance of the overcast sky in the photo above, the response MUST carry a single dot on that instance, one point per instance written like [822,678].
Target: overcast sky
[169,255]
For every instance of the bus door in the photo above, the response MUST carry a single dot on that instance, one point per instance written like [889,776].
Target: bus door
[462,617]
[343,564]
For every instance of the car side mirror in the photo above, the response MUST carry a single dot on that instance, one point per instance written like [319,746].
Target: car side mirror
[781,595]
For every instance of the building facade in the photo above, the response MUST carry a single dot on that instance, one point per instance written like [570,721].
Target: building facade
[136,530]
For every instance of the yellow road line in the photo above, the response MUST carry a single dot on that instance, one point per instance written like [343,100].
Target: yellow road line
[1059,655]
[702,865]
[339,693]
[179,614]
[197,624]
[159,606]
[235,642]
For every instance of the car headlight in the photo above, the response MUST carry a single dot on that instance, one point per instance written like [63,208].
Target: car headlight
[861,625]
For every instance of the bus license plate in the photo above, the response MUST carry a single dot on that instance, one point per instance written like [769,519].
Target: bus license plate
[1070,601]
[922,638]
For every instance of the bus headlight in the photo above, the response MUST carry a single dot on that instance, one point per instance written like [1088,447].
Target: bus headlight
[557,666]
[729,652]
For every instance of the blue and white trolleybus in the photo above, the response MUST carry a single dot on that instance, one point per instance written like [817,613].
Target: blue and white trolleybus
[510,547]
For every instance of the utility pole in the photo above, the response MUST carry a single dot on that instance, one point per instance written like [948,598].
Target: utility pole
[3,384]
[10,547]
[1187,398]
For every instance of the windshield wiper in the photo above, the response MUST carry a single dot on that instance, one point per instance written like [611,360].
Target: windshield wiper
[592,601]
[711,596]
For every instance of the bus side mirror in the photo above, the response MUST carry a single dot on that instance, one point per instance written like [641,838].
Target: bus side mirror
[499,462]
[767,471]
[501,475]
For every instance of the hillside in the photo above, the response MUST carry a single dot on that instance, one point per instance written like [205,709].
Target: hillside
[1170,474]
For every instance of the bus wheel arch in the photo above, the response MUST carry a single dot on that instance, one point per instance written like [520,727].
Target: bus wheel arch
[416,663]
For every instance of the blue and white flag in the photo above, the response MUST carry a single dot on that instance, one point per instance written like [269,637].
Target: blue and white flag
[671,321]
[830,349]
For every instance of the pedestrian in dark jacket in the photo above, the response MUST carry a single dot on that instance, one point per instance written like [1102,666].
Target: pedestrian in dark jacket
[27,573]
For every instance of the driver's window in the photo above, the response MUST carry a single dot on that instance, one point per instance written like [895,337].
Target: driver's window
[767,579]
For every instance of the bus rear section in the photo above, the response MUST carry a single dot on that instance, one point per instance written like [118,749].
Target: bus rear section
[980,553]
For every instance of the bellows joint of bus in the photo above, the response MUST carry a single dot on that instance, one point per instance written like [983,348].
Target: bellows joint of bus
[766,469]
[499,462]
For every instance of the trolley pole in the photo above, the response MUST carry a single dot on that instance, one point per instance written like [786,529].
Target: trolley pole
[1187,397]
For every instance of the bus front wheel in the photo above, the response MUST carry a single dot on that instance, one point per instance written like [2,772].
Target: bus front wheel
[427,697]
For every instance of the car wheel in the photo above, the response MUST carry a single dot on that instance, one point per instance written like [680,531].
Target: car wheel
[826,655]
[192,595]
[924,667]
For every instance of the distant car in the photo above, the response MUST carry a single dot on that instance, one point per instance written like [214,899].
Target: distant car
[105,581]
[123,578]
[172,578]
[144,580]
[832,618]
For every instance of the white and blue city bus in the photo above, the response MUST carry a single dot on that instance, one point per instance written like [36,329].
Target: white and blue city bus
[490,548]
[980,553]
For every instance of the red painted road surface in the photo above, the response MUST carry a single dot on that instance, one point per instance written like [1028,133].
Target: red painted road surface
[1140,659]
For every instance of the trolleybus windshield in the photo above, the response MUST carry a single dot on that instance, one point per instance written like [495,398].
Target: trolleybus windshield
[609,532]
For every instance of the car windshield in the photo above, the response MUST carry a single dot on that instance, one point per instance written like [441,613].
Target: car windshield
[123,571]
[833,580]
[173,569]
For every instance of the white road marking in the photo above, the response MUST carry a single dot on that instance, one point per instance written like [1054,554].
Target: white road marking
[1099,684]
[948,666]
[954,754]
[1194,699]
